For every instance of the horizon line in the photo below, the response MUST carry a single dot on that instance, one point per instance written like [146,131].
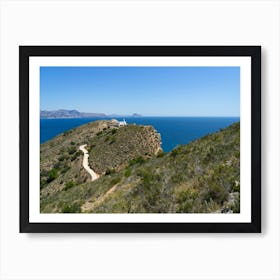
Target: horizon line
[143,116]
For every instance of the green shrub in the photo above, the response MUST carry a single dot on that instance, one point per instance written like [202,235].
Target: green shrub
[74,156]
[174,153]
[148,178]
[44,173]
[235,207]
[215,192]
[73,208]
[71,150]
[110,171]
[43,183]
[52,175]
[115,181]
[69,185]
[72,143]
[139,160]
[61,158]
[113,140]
[177,178]
[57,165]
[65,169]
[186,206]
[127,172]
[237,154]
[160,155]
[236,186]
[188,194]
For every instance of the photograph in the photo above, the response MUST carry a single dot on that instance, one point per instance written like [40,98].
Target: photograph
[140,140]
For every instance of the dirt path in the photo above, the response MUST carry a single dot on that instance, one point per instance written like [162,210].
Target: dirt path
[90,205]
[93,175]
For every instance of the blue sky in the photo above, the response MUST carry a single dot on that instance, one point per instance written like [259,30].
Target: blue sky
[149,91]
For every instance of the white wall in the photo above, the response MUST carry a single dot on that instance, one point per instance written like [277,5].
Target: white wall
[136,256]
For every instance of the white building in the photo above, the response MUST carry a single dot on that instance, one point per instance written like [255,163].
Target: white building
[122,123]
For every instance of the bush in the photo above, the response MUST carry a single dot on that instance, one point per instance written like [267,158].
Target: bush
[139,160]
[113,140]
[235,207]
[115,181]
[52,175]
[44,173]
[65,169]
[188,194]
[110,171]
[236,186]
[42,183]
[71,150]
[72,143]
[186,206]
[160,155]
[74,156]
[69,185]
[57,165]
[174,153]
[61,158]
[148,178]
[215,192]
[177,178]
[114,130]
[74,208]
[127,172]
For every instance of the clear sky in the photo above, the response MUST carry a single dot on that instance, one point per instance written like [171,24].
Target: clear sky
[149,91]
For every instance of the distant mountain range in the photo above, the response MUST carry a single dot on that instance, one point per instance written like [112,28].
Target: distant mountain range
[70,114]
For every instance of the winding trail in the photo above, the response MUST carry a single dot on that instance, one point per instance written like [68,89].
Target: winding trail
[93,175]
[90,205]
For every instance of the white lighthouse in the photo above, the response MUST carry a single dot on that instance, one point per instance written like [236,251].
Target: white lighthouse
[122,123]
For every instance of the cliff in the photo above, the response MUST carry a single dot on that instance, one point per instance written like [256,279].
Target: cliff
[110,149]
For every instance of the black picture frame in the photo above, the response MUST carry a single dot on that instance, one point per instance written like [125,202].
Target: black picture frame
[254,52]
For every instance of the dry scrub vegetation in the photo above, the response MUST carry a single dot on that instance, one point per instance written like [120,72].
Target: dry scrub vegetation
[201,177]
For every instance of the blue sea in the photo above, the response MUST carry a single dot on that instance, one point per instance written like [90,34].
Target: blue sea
[173,130]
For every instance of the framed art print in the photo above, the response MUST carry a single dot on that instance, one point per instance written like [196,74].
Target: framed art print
[140,138]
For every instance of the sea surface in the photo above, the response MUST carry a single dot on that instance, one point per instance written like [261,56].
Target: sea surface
[174,130]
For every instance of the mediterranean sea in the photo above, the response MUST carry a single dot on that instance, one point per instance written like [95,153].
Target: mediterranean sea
[174,130]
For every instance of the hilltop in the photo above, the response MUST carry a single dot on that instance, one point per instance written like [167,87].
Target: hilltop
[110,149]
[200,177]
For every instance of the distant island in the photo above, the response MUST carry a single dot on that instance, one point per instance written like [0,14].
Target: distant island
[71,114]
